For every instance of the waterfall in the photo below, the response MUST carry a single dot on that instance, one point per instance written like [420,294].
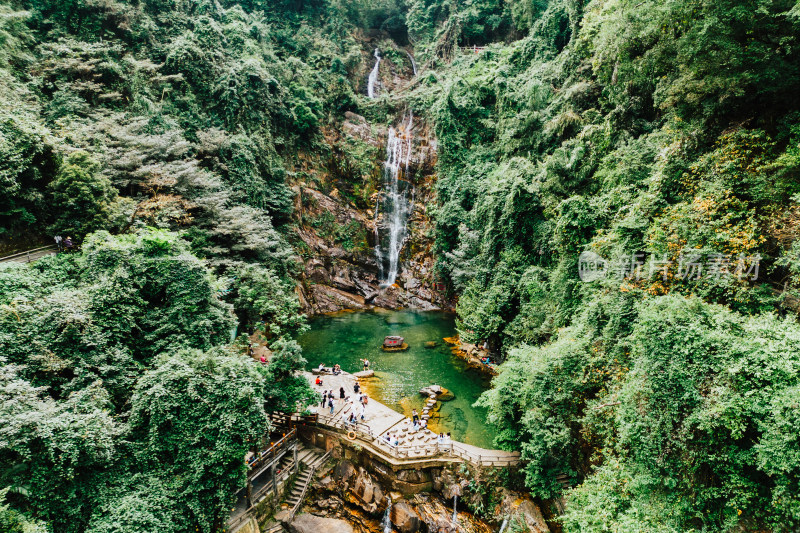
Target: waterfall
[455,513]
[387,521]
[505,523]
[413,62]
[373,76]
[394,205]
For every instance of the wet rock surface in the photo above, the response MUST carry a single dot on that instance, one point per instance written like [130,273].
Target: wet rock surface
[335,220]
[358,490]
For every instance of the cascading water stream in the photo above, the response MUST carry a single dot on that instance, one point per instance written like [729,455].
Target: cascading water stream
[387,521]
[373,76]
[455,512]
[413,62]
[505,523]
[394,203]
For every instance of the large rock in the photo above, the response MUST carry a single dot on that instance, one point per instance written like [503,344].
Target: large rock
[367,491]
[445,482]
[405,518]
[440,392]
[434,390]
[309,523]
[364,374]
[412,284]
[524,510]
[446,396]
[344,470]
[413,476]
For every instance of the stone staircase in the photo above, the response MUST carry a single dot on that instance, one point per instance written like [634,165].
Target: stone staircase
[309,460]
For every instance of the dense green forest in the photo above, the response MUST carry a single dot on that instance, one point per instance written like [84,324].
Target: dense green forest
[658,141]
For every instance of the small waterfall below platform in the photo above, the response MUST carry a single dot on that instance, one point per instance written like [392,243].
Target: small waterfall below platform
[505,523]
[455,511]
[387,520]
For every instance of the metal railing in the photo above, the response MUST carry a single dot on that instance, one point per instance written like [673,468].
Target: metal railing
[297,505]
[26,255]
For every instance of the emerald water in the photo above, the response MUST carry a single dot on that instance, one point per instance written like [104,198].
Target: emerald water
[346,338]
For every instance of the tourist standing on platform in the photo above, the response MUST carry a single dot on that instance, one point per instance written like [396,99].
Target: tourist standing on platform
[356,387]
[341,393]
[330,402]
[414,416]
[363,411]
[324,398]
[366,364]
[59,243]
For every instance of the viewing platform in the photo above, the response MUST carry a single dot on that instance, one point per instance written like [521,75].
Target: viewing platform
[381,423]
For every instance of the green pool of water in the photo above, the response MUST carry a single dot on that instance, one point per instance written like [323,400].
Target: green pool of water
[345,338]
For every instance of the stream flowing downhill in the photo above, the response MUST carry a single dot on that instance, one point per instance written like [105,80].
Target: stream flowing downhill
[395,201]
[373,76]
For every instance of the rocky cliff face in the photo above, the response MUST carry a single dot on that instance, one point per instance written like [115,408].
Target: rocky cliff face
[421,500]
[336,193]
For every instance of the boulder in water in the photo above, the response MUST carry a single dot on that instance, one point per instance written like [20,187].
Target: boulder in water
[446,395]
[365,374]
[431,344]
[431,390]
[438,393]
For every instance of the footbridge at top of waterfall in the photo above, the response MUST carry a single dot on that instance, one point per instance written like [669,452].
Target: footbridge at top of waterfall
[390,436]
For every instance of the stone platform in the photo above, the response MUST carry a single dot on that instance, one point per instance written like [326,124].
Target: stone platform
[383,421]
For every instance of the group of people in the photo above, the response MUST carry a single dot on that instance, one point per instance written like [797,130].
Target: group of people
[329,397]
[64,244]
[359,401]
[444,441]
[418,424]
[322,369]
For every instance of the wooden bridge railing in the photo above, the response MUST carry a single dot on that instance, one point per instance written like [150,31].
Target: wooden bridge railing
[265,457]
